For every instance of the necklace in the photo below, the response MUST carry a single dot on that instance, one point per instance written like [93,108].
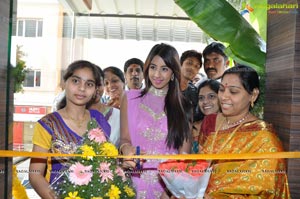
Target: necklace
[158,92]
[229,125]
[77,122]
[227,140]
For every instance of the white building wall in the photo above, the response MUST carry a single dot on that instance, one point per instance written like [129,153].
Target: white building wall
[52,53]
[42,53]
[116,52]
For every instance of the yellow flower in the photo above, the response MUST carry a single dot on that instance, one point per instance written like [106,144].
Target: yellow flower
[87,152]
[129,191]
[114,192]
[96,198]
[73,195]
[108,149]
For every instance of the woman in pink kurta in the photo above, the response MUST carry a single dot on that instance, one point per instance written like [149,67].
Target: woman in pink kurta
[147,123]
[157,119]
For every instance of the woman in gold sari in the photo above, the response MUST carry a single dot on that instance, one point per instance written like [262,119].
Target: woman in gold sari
[236,130]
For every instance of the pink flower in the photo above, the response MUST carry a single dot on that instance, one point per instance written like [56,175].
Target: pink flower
[97,134]
[104,172]
[80,174]
[120,172]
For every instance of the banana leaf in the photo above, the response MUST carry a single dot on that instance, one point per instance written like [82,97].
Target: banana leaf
[258,18]
[222,22]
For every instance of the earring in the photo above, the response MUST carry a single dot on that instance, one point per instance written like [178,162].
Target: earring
[172,77]
[252,104]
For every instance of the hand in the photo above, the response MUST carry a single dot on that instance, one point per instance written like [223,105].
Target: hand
[164,195]
[173,197]
[128,162]
[114,103]
[53,195]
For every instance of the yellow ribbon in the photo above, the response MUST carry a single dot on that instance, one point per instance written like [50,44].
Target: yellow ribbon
[274,155]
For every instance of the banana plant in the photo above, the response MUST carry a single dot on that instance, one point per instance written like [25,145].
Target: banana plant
[223,23]
[258,18]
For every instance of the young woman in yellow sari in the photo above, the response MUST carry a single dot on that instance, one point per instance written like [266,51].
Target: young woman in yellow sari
[236,130]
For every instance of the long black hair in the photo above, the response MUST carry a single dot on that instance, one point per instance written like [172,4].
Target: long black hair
[177,108]
[70,71]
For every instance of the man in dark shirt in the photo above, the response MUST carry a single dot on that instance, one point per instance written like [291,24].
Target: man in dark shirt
[191,62]
[215,60]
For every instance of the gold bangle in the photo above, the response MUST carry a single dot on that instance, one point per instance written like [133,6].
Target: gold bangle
[122,146]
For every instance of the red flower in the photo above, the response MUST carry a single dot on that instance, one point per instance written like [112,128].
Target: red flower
[198,168]
[190,180]
[192,167]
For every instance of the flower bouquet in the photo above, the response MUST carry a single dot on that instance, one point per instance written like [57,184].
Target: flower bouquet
[90,176]
[186,178]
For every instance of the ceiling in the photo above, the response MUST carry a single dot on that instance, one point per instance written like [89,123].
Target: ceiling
[133,19]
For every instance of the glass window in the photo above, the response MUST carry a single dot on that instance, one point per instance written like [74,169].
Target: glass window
[67,27]
[38,78]
[33,78]
[29,79]
[30,28]
[40,28]
[20,27]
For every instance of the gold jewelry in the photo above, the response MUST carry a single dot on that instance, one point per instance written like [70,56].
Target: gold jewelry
[252,104]
[230,136]
[122,146]
[77,122]
[229,125]
[158,92]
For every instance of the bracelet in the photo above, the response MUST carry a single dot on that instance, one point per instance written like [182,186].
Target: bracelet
[122,146]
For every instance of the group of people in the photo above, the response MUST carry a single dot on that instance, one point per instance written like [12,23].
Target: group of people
[162,112]
[116,81]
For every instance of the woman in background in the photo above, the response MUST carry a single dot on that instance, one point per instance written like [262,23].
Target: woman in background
[114,85]
[111,114]
[208,103]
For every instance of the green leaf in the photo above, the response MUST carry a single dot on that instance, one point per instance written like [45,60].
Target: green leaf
[223,23]
[18,73]
[92,124]
[258,17]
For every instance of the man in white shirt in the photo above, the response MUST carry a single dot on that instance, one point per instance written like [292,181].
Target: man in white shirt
[133,70]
